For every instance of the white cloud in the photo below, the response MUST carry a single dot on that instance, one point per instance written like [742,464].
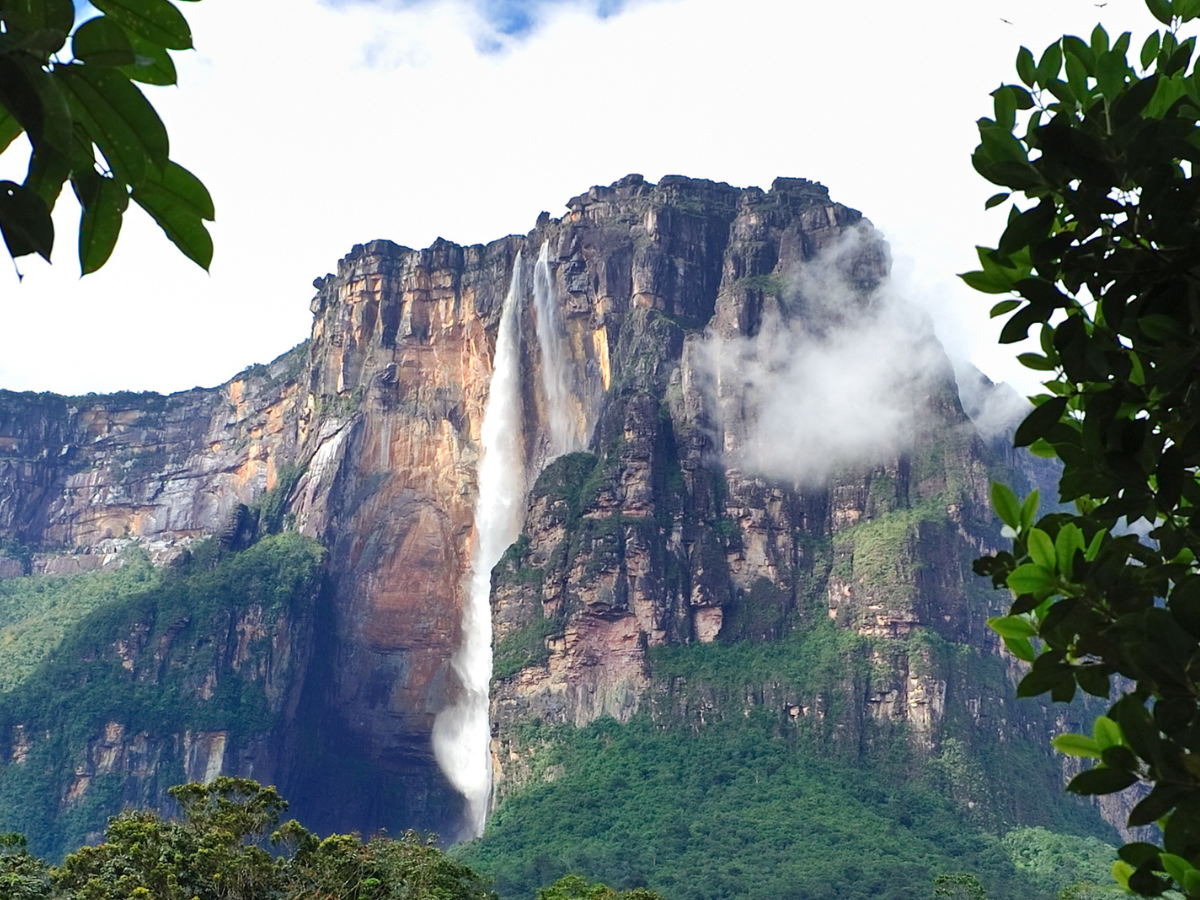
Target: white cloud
[318,127]
[995,409]
[832,377]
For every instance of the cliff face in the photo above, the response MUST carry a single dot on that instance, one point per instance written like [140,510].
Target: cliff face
[679,528]
[76,471]
[194,673]
[692,515]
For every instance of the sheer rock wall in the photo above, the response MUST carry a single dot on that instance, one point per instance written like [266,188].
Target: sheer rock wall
[658,536]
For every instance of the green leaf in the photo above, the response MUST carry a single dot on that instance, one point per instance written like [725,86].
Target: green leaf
[1077,77]
[1116,757]
[185,190]
[986,282]
[1139,853]
[37,15]
[103,202]
[1036,362]
[19,95]
[1004,501]
[1094,680]
[1062,92]
[1026,69]
[1101,780]
[998,139]
[1029,509]
[156,20]
[1191,882]
[1106,732]
[1099,41]
[1076,745]
[1004,306]
[1111,70]
[1021,648]
[1094,547]
[1160,328]
[1161,10]
[1168,91]
[58,127]
[1150,49]
[1004,102]
[996,199]
[1049,65]
[1038,422]
[10,129]
[1012,626]
[152,63]
[118,118]
[25,221]
[179,203]
[1121,872]
[1043,448]
[48,171]
[1175,866]
[1154,806]
[1030,579]
[1067,543]
[1041,549]
[47,40]
[102,42]
[1079,48]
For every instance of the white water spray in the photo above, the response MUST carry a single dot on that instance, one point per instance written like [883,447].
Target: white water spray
[560,416]
[461,736]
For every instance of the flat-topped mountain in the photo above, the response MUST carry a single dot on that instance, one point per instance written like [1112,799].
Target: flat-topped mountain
[724,429]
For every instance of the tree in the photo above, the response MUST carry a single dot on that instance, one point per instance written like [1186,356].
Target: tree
[575,887]
[958,887]
[215,852]
[22,875]
[88,123]
[410,868]
[1102,252]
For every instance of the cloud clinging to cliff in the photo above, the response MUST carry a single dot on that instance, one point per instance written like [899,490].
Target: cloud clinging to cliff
[834,376]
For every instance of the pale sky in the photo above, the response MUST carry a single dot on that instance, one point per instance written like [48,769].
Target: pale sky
[319,125]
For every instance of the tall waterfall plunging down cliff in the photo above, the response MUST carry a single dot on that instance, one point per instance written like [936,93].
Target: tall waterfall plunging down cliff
[460,734]
[858,637]
[561,419]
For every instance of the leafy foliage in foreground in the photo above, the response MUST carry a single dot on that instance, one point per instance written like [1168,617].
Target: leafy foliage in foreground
[1104,261]
[215,851]
[22,875]
[82,105]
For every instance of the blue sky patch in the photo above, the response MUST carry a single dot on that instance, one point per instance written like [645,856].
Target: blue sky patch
[510,18]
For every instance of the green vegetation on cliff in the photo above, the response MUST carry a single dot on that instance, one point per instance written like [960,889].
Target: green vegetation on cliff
[745,776]
[739,809]
[99,722]
[37,611]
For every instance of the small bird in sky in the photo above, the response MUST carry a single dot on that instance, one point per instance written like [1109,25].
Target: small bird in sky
[1005,21]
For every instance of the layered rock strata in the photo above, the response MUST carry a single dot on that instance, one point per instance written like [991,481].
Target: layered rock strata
[663,532]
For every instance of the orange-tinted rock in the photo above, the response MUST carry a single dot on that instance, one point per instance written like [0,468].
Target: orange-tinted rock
[380,414]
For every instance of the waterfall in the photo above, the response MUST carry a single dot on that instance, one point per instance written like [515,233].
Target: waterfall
[559,413]
[461,736]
